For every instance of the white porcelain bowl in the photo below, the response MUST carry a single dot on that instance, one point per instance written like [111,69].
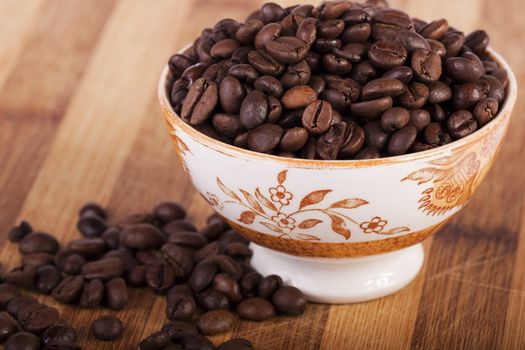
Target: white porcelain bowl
[342,231]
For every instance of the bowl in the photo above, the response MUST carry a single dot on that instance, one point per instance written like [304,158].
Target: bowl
[345,230]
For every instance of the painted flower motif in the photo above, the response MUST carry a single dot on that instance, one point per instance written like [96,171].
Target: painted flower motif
[280,195]
[214,200]
[375,225]
[284,221]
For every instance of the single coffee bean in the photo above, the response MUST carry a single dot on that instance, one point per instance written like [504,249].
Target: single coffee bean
[91,225]
[14,306]
[247,31]
[466,96]
[435,29]
[38,242]
[269,285]
[111,237]
[358,33]
[224,48]
[307,30]
[8,292]
[437,47]
[59,334]
[156,341]
[244,73]
[368,153]
[22,340]
[228,265]
[435,135]
[478,41]
[238,251]
[134,219]
[142,236]
[287,49]
[70,262]
[375,136]
[116,294]
[178,226]
[331,10]
[382,87]
[337,65]
[202,275]
[180,303]
[463,70]
[88,247]
[289,301]
[330,28]
[22,276]
[353,52]
[36,318]
[211,249]
[126,256]
[439,92]
[265,64]
[394,119]
[298,97]
[236,344]
[371,109]
[412,41]
[47,278]
[212,299]
[265,138]
[387,54]
[426,65]
[297,74]
[17,233]
[197,342]
[169,211]
[69,289]
[255,309]
[215,322]
[188,239]
[160,277]
[250,283]
[92,294]
[92,209]
[401,140]
[363,72]
[103,269]
[329,144]
[419,118]
[38,259]
[353,142]
[415,96]
[179,258]
[107,328]
[453,43]
[231,95]
[269,85]
[8,326]
[178,330]
[317,117]
[293,139]
[254,110]
[228,286]
[179,63]
[460,124]
[136,277]
[271,12]
[496,89]
[317,83]
[485,110]
[200,102]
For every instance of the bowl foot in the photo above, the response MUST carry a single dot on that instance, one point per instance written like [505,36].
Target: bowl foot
[338,281]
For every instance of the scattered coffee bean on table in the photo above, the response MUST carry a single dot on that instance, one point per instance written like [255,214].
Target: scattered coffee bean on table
[342,80]
[107,328]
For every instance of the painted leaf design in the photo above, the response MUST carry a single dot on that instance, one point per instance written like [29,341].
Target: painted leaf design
[313,198]
[395,230]
[425,175]
[227,191]
[306,237]
[339,226]
[306,224]
[247,217]
[281,177]
[253,202]
[265,201]
[349,203]
[272,227]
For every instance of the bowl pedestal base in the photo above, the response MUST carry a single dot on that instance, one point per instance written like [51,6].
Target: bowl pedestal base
[338,281]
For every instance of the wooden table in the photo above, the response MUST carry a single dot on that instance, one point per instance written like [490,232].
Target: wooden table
[79,121]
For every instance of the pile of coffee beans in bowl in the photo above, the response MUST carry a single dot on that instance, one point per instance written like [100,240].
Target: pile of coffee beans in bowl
[338,81]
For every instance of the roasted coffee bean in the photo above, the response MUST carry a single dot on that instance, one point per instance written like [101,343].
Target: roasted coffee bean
[202,275]
[125,255]
[363,72]
[196,342]
[331,10]
[240,56]
[134,219]
[412,41]
[294,139]
[329,144]
[325,46]
[371,109]
[419,118]
[453,43]
[275,109]
[271,12]
[69,289]
[244,73]
[160,277]
[8,326]
[387,54]
[426,65]
[212,299]
[179,63]
[14,306]
[478,41]
[38,242]
[103,269]
[156,341]
[250,283]
[200,102]
[466,96]
[247,31]
[231,95]
[254,110]
[394,119]
[88,247]
[354,141]
[179,258]
[353,52]
[111,237]
[297,74]
[376,137]
[22,341]
[336,65]
[36,318]
[92,293]
[358,33]
[209,250]
[142,236]
[17,233]
[215,322]
[228,286]
[70,262]
[107,328]
[269,85]
[7,293]
[265,138]
[148,257]
[463,70]
[22,276]
[238,251]
[485,110]
[169,211]
[307,30]
[93,209]
[224,48]
[289,301]
[59,334]
[136,277]
[287,49]
[268,285]
[180,307]
[496,89]
[178,330]
[228,265]
[47,278]
[90,225]
[255,309]
[116,294]
[435,135]
[435,29]
[401,140]
[317,83]
[368,153]
[178,226]
[437,47]
[415,96]
[439,92]
[330,28]
[38,259]
[236,344]
[298,97]
[460,124]
[188,239]
[265,64]
[382,87]
[317,117]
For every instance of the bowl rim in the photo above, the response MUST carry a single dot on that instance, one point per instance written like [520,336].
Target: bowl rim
[176,122]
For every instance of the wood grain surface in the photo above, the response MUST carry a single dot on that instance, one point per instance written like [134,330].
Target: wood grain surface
[79,121]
